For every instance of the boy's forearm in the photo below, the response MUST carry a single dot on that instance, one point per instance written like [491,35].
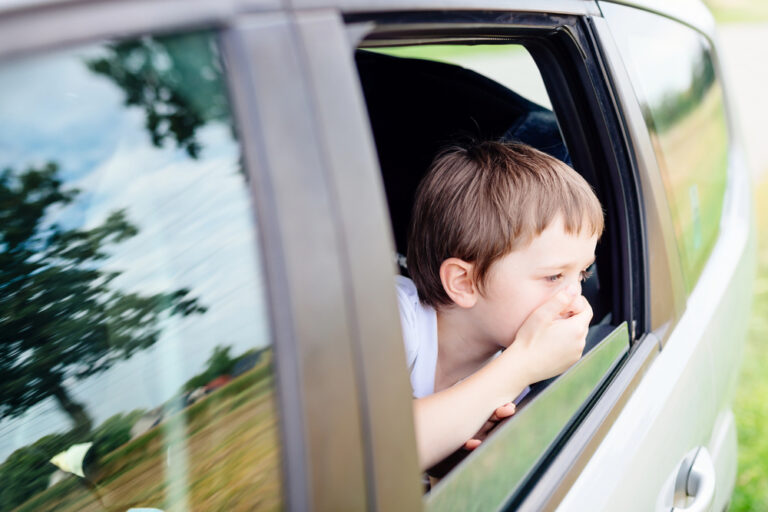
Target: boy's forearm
[445,420]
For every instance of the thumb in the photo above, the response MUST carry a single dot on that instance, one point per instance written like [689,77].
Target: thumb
[559,302]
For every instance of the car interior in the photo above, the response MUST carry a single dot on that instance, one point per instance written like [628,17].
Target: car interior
[416,106]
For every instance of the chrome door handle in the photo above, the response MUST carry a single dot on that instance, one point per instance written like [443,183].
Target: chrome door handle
[695,482]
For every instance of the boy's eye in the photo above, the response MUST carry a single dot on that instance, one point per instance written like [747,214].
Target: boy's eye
[585,274]
[554,278]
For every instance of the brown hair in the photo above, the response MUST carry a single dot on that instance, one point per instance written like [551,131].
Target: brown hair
[483,200]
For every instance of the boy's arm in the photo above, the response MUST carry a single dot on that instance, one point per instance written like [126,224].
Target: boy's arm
[546,345]
[445,420]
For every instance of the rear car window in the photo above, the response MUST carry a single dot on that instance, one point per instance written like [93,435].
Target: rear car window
[136,351]
[421,97]
[675,79]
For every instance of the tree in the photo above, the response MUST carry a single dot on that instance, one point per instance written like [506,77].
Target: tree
[219,363]
[60,316]
[176,80]
[27,471]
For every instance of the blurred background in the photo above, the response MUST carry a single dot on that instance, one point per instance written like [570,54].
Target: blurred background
[743,34]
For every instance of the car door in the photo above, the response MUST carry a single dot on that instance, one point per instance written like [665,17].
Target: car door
[177,333]
[493,477]
[681,409]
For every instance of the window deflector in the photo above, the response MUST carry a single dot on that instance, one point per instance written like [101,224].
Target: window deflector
[485,480]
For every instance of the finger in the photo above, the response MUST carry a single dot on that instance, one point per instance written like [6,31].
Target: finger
[472,444]
[505,411]
[585,311]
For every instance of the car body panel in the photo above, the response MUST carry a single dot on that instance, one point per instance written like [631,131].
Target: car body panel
[28,26]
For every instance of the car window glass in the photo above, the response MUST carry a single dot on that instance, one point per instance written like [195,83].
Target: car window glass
[135,349]
[505,460]
[674,76]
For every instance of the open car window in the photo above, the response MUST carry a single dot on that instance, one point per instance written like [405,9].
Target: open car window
[423,94]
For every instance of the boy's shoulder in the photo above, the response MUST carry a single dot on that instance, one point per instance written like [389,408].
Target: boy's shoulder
[419,321]
[407,301]
[406,287]
[419,327]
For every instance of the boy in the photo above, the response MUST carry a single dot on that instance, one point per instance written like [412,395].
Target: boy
[501,238]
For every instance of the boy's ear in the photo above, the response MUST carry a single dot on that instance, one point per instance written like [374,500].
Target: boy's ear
[458,281]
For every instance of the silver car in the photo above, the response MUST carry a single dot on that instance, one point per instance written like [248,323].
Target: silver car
[203,205]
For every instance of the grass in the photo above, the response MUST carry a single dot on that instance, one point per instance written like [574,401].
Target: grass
[225,457]
[751,491]
[739,11]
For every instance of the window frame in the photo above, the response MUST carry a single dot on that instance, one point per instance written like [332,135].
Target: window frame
[553,474]
[554,44]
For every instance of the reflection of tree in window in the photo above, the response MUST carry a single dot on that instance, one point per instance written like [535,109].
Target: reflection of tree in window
[61,319]
[676,104]
[177,81]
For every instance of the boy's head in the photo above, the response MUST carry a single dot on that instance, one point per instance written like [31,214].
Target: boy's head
[481,201]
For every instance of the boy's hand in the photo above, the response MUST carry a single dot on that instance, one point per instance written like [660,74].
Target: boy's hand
[499,414]
[552,337]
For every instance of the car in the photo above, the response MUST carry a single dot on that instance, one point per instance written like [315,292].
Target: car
[204,205]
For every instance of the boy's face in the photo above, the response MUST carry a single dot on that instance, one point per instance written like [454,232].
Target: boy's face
[524,279]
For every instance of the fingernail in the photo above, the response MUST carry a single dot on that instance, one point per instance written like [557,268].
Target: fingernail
[572,290]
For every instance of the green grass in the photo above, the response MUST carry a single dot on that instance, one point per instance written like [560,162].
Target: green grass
[739,11]
[751,491]
[226,442]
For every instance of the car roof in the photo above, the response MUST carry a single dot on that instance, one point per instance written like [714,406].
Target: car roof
[691,12]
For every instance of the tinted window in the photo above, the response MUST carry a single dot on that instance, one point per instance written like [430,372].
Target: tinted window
[135,349]
[674,77]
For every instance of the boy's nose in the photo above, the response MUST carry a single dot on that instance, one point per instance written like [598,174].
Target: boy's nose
[576,284]
[573,288]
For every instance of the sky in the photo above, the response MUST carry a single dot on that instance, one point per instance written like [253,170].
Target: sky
[657,51]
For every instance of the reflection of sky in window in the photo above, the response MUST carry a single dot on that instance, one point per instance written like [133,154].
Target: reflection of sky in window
[662,50]
[194,223]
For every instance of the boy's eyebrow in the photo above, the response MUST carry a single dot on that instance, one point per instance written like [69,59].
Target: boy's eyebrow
[566,265]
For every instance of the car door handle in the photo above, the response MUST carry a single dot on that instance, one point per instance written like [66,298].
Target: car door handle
[695,482]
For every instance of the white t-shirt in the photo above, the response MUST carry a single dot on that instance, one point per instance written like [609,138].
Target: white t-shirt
[419,323]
